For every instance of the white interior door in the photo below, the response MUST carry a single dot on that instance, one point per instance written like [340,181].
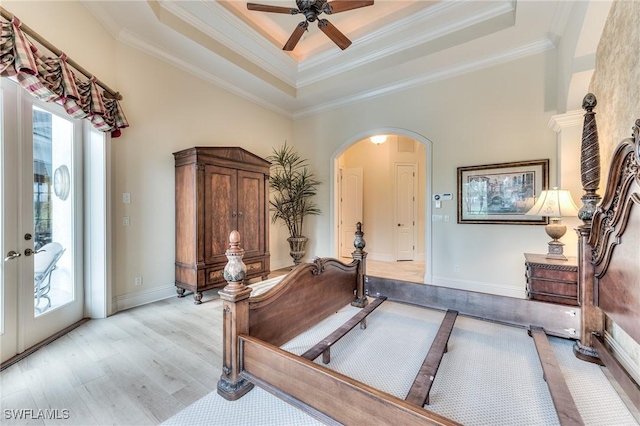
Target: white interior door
[350,207]
[405,211]
[41,222]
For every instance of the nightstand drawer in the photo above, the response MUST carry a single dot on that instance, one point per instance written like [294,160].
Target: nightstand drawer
[538,271]
[552,280]
[553,291]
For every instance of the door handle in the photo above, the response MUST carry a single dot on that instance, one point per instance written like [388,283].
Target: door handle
[12,255]
[29,252]
[400,224]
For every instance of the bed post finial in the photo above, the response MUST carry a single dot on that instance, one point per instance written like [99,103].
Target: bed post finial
[590,317]
[589,161]
[360,256]
[235,314]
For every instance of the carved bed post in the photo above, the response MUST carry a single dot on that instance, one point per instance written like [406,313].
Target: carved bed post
[235,319]
[361,256]
[591,317]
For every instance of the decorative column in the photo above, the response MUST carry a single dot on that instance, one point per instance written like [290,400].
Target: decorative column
[235,316]
[591,317]
[361,256]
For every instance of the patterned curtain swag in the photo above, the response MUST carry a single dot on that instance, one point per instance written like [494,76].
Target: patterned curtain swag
[51,79]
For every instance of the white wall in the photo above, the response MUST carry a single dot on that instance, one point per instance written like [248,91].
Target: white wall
[490,116]
[168,110]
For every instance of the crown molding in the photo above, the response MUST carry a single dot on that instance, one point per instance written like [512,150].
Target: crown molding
[254,36]
[568,119]
[422,19]
[133,40]
[439,74]
[102,16]
[560,19]
[287,76]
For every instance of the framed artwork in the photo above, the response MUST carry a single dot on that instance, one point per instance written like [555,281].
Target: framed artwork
[501,193]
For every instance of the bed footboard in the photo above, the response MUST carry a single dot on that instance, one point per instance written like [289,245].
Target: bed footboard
[313,388]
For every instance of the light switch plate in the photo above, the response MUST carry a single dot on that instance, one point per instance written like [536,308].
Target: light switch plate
[126,197]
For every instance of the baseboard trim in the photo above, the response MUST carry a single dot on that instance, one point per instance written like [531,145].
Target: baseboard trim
[557,320]
[480,287]
[139,298]
[34,348]
[622,357]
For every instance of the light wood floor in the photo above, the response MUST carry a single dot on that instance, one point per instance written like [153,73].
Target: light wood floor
[404,271]
[137,367]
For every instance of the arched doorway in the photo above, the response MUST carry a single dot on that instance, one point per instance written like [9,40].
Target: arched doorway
[383,168]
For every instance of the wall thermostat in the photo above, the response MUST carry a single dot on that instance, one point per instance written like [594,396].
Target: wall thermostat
[442,197]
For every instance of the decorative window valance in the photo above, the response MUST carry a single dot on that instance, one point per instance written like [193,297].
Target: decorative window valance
[51,79]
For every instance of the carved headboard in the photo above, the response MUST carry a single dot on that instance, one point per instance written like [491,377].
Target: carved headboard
[609,252]
[615,239]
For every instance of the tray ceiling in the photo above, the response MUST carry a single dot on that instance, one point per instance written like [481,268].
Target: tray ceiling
[397,44]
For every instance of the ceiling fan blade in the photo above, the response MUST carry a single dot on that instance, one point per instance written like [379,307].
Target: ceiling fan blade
[338,6]
[295,36]
[334,34]
[272,9]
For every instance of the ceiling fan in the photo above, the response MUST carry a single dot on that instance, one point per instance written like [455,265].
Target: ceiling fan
[311,9]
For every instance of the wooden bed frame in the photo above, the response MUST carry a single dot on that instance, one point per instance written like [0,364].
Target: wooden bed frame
[255,327]
[609,285]
[609,249]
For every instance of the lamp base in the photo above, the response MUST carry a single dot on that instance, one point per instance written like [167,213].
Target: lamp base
[556,250]
[556,230]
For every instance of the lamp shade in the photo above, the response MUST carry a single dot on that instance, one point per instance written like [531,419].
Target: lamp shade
[554,203]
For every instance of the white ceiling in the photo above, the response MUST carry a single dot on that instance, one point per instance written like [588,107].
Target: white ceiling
[397,44]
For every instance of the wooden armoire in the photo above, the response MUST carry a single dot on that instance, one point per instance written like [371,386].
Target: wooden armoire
[219,189]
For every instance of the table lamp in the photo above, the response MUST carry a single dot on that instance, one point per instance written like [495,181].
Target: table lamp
[555,204]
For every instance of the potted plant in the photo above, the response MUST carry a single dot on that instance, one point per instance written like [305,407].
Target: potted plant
[293,187]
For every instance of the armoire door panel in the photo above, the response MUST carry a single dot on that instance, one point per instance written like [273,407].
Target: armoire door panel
[251,212]
[221,203]
[228,191]
[186,216]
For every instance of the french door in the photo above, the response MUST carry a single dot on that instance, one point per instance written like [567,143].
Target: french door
[40,220]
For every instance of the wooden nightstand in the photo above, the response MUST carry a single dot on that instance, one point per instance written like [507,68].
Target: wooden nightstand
[552,280]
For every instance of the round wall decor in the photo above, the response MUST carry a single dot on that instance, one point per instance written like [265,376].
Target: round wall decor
[62,182]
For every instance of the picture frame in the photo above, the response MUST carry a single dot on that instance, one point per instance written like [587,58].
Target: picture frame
[501,193]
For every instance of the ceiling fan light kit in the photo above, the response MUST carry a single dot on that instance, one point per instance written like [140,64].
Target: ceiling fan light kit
[311,9]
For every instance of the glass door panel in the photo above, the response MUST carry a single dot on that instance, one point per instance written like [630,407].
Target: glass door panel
[53,218]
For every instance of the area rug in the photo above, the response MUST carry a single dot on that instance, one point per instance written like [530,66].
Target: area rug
[490,376]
